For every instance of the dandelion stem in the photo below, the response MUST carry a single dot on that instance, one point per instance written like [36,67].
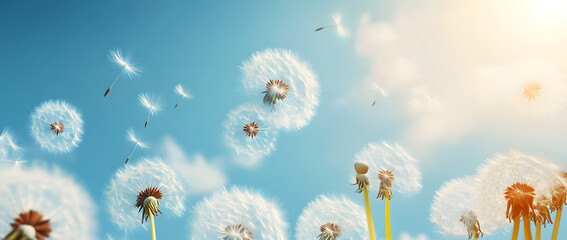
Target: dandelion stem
[369,214]
[127,159]
[153,225]
[388,232]
[556,225]
[527,230]
[108,90]
[538,230]
[148,118]
[516,228]
[12,236]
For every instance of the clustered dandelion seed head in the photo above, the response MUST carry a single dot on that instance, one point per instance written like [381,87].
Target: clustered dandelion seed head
[132,186]
[388,157]
[219,215]
[40,202]
[132,137]
[454,210]
[292,103]
[248,134]
[519,201]
[150,102]
[117,57]
[48,120]
[506,181]
[179,90]
[330,218]
[541,213]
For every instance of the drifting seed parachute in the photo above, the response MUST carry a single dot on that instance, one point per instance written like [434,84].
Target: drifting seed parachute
[57,126]
[182,93]
[151,103]
[338,25]
[137,143]
[131,71]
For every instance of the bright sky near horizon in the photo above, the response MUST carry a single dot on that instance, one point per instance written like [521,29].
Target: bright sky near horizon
[447,78]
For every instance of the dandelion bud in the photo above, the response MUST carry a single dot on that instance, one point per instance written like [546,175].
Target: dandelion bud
[361,167]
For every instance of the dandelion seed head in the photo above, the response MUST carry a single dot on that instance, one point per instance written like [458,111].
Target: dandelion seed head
[341,30]
[40,202]
[513,173]
[117,57]
[239,212]
[249,135]
[132,185]
[150,102]
[301,89]
[332,217]
[386,178]
[454,210]
[132,137]
[179,90]
[56,114]
[392,157]
[541,211]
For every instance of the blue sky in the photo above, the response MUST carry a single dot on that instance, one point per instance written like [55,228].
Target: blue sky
[58,50]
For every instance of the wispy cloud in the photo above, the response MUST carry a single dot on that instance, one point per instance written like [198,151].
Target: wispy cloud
[407,236]
[198,174]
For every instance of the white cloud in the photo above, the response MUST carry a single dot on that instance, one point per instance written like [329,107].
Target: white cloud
[406,236]
[462,66]
[198,175]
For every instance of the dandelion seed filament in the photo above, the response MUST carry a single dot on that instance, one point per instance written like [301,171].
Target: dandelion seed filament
[237,232]
[251,130]
[329,231]
[57,128]
[30,225]
[276,90]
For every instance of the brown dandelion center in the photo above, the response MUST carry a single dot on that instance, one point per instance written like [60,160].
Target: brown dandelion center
[532,90]
[57,128]
[148,201]
[237,232]
[386,178]
[276,90]
[470,221]
[251,129]
[30,223]
[329,231]
[520,198]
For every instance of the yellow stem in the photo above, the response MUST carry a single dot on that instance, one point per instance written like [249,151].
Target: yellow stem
[388,232]
[527,230]
[556,225]
[516,228]
[538,230]
[369,215]
[475,238]
[12,236]
[153,225]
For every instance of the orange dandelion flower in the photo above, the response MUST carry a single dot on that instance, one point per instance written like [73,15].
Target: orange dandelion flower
[532,90]
[520,198]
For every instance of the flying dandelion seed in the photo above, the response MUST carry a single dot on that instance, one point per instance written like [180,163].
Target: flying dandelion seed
[514,173]
[337,24]
[532,90]
[237,214]
[151,103]
[140,191]
[9,151]
[38,204]
[57,126]
[248,134]
[137,143]
[289,88]
[116,56]
[455,212]
[332,218]
[389,163]
[182,93]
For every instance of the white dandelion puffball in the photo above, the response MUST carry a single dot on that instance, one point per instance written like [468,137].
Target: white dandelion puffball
[453,201]
[237,214]
[336,214]
[124,62]
[57,126]
[10,153]
[341,29]
[52,194]
[503,170]
[287,85]
[150,102]
[387,157]
[249,134]
[147,176]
